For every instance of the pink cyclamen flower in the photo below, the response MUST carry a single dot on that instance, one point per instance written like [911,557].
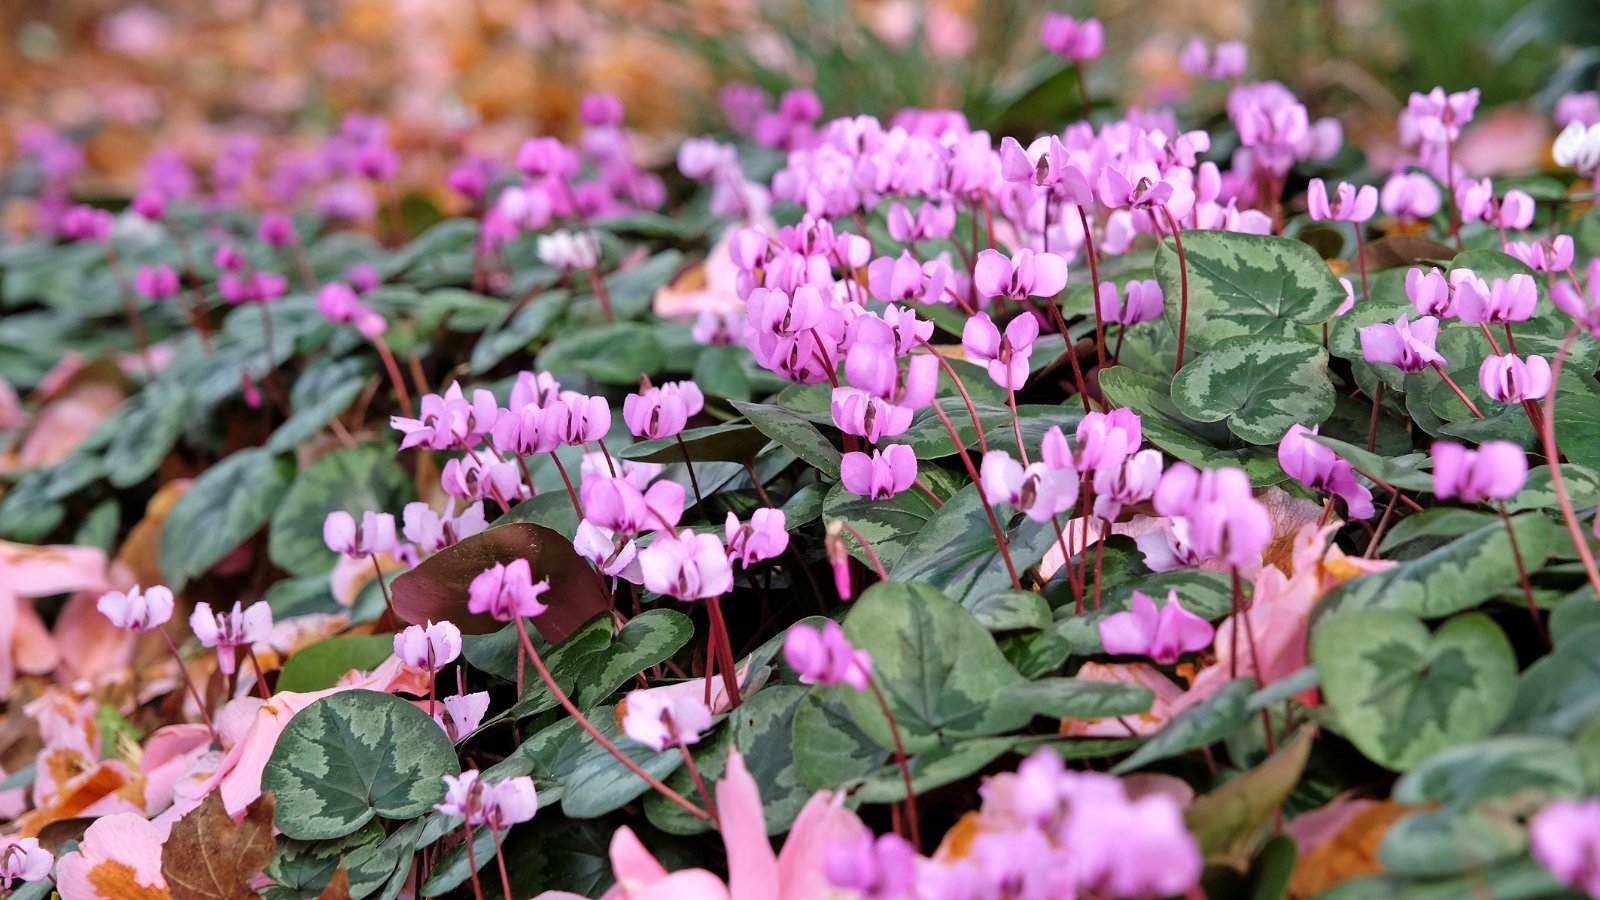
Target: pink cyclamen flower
[1072,39]
[137,610]
[462,714]
[121,846]
[659,721]
[226,631]
[1162,635]
[825,656]
[1038,491]
[1350,204]
[1320,469]
[1438,116]
[1565,838]
[1430,292]
[86,223]
[876,867]
[156,282]
[507,591]
[661,412]
[764,537]
[882,475]
[542,156]
[1132,481]
[1506,300]
[1510,379]
[1406,344]
[339,303]
[1141,301]
[374,535]
[1583,307]
[1024,274]
[1007,355]
[1410,195]
[23,860]
[432,646]
[1549,255]
[276,230]
[497,806]
[686,565]
[1223,518]
[1496,470]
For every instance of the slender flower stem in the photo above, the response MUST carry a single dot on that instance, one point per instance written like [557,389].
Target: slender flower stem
[1372,422]
[598,285]
[395,377]
[1522,577]
[194,692]
[1066,563]
[1016,426]
[303,263]
[571,492]
[588,726]
[192,273]
[500,860]
[877,564]
[724,648]
[689,464]
[1451,382]
[1361,260]
[961,387]
[699,783]
[472,862]
[1450,192]
[261,675]
[1552,452]
[1183,288]
[915,835]
[1094,277]
[114,263]
[377,571]
[972,471]
[1083,92]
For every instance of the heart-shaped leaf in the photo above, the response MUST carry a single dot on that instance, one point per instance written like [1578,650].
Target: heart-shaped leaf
[1260,385]
[223,507]
[353,479]
[1400,694]
[956,550]
[354,755]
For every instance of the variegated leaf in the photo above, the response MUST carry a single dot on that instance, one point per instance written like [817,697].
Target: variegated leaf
[1261,386]
[1246,284]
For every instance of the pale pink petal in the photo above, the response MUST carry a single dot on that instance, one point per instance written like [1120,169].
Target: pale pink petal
[752,868]
[823,820]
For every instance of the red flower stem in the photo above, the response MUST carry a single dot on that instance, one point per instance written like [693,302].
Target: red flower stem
[588,727]
[1522,578]
[298,250]
[394,373]
[261,675]
[1094,276]
[689,464]
[1511,339]
[194,692]
[1183,287]
[961,387]
[1016,423]
[1552,452]
[1451,382]
[500,860]
[1099,560]
[922,486]
[915,835]
[129,307]
[972,471]
[1372,421]
[610,463]
[571,492]
[723,645]
[1493,344]
[1066,563]
[598,285]
[866,545]
[472,862]
[1083,92]
[197,296]
[1390,488]
[1361,261]
[699,783]
[377,570]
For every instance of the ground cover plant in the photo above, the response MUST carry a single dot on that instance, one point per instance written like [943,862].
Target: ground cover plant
[856,507]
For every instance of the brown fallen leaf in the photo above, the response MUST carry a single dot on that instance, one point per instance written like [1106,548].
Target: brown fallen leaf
[1349,853]
[208,857]
[338,886]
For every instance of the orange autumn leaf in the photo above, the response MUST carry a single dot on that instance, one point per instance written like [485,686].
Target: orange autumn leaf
[1350,853]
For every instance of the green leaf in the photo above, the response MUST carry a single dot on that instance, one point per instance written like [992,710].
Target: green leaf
[321,665]
[1457,576]
[1073,698]
[1010,610]
[354,755]
[148,428]
[1500,766]
[829,748]
[1441,843]
[1246,284]
[934,768]
[353,479]
[763,728]
[533,321]
[956,551]
[791,431]
[1261,386]
[1228,822]
[1582,485]
[326,399]
[609,354]
[1560,693]
[1201,725]
[224,506]
[1402,472]
[303,868]
[889,525]
[600,784]
[1202,444]
[591,664]
[939,670]
[1400,694]
[721,443]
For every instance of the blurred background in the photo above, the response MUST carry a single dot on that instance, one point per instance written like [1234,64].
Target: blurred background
[122,78]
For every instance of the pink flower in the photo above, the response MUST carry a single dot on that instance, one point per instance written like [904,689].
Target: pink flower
[1224,519]
[507,591]
[86,223]
[764,537]
[496,806]
[1320,469]
[1496,470]
[1038,491]
[878,867]
[374,535]
[119,858]
[1410,195]
[432,532]
[276,230]
[462,714]
[859,413]
[882,475]
[542,156]
[569,251]
[1071,39]
[156,282]
[1143,302]
[1163,636]
[1582,307]
[226,631]
[825,656]
[1024,274]
[1406,344]
[1565,838]
[1507,300]
[1007,355]
[661,412]
[1438,117]
[617,504]
[1134,480]
[687,565]
[1430,293]
[137,610]
[659,721]
[1549,255]
[432,646]
[1351,205]
[1102,441]
[23,860]
[1509,379]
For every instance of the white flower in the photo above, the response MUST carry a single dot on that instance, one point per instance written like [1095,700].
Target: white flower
[569,251]
[1578,147]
